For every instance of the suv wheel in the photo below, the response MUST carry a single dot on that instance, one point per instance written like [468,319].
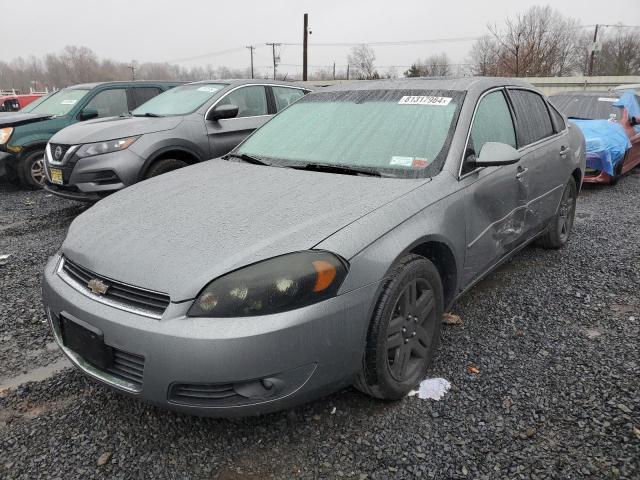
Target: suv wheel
[163,166]
[31,170]
[405,330]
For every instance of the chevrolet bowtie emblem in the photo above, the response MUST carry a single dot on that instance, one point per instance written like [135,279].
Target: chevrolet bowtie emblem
[97,286]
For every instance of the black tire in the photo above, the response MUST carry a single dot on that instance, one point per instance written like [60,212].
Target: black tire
[401,324]
[617,174]
[31,170]
[163,166]
[561,225]
[11,173]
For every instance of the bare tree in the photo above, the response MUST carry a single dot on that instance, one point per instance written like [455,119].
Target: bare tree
[539,42]
[619,52]
[433,66]
[361,61]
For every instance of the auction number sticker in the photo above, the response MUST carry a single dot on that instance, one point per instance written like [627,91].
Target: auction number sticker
[424,100]
[208,89]
[607,99]
[68,102]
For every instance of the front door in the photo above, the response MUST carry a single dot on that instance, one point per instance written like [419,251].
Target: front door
[225,134]
[495,199]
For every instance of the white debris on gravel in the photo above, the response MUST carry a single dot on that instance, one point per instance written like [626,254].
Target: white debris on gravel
[4,259]
[431,388]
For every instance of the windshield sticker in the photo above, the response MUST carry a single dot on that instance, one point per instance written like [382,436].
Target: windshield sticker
[605,99]
[68,102]
[208,89]
[420,163]
[401,161]
[423,100]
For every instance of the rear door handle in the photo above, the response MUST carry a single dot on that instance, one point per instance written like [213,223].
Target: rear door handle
[521,172]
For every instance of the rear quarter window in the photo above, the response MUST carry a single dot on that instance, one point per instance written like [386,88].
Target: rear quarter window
[532,116]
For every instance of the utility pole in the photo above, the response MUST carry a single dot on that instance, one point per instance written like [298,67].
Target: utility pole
[334,70]
[132,67]
[347,71]
[593,50]
[251,49]
[304,47]
[275,64]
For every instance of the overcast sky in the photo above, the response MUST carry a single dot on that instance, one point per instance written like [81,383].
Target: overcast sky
[152,30]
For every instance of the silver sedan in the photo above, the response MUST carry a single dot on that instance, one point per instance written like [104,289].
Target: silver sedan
[321,252]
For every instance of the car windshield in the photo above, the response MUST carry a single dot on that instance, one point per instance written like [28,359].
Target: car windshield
[588,107]
[402,133]
[60,102]
[179,100]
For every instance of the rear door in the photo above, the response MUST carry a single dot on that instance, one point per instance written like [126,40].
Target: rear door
[545,148]
[253,112]
[495,201]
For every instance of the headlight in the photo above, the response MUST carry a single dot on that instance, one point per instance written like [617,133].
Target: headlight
[99,148]
[272,286]
[5,133]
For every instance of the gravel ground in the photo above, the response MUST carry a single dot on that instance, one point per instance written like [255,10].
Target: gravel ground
[552,336]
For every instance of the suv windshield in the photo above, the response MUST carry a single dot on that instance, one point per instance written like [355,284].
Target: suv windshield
[179,100]
[393,132]
[60,102]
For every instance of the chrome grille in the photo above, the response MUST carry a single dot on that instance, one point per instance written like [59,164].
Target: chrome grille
[120,295]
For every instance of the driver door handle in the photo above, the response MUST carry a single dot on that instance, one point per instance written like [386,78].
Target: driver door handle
[521,171]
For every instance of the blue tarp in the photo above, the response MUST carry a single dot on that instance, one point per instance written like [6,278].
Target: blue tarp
[606,141]
[629,101]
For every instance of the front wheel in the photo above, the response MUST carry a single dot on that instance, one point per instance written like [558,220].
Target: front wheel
[405,330]
[559,231]
[31,170]
[164,166]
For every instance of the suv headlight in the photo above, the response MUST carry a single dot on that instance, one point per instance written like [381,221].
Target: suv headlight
[5,133]
[272,286]
[109,146]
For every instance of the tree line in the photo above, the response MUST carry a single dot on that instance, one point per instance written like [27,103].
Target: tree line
[538,42]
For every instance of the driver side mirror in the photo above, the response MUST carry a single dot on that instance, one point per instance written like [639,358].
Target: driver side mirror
[223,111]
[495,154]
[88,113]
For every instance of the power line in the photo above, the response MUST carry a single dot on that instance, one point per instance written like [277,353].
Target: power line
[205,55]
[391,43]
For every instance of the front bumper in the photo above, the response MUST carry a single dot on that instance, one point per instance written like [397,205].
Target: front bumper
[302,354]
[92,178]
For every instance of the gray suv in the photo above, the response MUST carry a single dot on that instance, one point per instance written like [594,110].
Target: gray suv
[183,126]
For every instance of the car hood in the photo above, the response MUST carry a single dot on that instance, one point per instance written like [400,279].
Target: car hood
[177,232]
[113,127]
[9,119]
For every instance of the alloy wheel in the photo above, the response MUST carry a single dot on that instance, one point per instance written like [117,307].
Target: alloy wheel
[37,171]
[566,214]
[410,330]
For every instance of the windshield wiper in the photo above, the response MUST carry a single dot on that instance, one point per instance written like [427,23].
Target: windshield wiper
[343,169]
[246,158]
[149,114]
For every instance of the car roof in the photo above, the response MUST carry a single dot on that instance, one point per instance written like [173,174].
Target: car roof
[89,86]
[234,82]
[470,84]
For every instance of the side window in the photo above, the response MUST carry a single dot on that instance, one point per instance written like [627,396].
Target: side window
[251,101]
[286,96]
[110,103]
[492,123]
[532,116]
[143,94]
[558,121]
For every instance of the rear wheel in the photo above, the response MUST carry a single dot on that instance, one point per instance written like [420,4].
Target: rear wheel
[405,330]
[559,231]
[163,166]
[31,170]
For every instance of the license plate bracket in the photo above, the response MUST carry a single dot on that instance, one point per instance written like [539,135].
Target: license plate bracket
[89,344]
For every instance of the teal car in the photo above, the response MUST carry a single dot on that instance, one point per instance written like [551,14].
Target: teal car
[24,134]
